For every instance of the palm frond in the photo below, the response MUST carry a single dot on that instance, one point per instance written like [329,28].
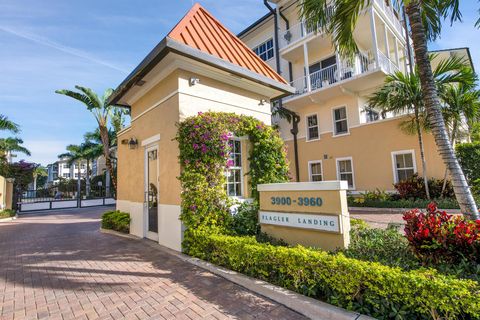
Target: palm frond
[92,96]
[6,124]
[77,96]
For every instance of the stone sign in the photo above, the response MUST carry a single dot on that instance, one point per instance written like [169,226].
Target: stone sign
[308,213]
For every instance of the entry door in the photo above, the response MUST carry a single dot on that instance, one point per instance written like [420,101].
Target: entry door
[151,192]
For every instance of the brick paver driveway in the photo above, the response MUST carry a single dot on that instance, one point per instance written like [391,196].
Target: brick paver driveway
[59,266]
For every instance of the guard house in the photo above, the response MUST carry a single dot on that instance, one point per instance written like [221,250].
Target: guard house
[199,66]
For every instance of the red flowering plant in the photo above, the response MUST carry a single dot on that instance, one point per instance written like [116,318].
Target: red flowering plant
[436,236]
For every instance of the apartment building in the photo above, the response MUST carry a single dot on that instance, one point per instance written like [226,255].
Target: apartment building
[339,135]
[62,169]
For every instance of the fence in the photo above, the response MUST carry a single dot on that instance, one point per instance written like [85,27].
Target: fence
[65,196]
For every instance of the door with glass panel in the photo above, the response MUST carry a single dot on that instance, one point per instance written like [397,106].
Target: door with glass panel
[151,192]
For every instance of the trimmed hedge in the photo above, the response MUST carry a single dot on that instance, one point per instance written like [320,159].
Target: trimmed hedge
[7,213]
[366,287]
[402,203]
[116,220]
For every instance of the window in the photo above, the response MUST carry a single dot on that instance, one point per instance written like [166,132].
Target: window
[371,115]
[234,172]
[340,121]
[66,166]
[315,170]
[312,127]
[265,50]
[76,175]
[345,171]
[66,175]
[404,165]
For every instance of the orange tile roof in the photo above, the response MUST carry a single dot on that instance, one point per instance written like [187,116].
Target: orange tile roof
[200,30]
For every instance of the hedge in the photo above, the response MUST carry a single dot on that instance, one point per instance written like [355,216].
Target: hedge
[116,220]
[366,287]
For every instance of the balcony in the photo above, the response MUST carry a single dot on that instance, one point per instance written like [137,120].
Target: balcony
[295,34]
[344,74]
[391,15]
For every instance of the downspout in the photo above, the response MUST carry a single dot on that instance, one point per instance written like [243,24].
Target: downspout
[295,117]
[287,26]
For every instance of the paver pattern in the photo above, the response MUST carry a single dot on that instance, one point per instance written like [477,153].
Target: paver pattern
[59,266]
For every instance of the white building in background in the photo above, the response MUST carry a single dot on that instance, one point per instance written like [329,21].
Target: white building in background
[61,169]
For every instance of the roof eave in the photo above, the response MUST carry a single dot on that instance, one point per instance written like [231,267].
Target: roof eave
[169,45]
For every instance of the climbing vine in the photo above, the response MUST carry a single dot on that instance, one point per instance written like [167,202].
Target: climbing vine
[204,157]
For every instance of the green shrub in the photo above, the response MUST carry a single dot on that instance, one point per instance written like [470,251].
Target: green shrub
[414,188]
[445,203]
[367,287]
[116,220]
[7,213]
[245,220]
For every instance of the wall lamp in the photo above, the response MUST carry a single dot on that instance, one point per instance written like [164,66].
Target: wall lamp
[132,143]
[262,102]
[194,81]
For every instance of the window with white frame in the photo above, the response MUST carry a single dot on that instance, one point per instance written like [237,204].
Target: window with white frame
[315,170]
[234,171]
[66,166]
[312,127]
[371,115]
[345,171]
[66,175]
[265,50]
[340,122]
[404,165]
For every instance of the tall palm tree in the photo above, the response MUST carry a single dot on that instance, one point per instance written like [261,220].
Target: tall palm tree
[38,172]
[402,94]
[339,18]
[91,151]
[102,111]
[6,124]
[10,145]
[75,154]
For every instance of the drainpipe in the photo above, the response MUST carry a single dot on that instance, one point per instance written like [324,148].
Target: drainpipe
[295,116]
[287,26]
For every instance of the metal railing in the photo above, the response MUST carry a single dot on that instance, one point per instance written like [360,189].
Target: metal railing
[342,71]
[391,15]
[297,32]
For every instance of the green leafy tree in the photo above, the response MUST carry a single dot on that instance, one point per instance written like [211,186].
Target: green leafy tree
[402,94]
[6,124]
[38,172]
[338,18]
[10,145]
[102,112]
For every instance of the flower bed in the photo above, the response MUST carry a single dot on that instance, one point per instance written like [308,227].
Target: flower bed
[366,287]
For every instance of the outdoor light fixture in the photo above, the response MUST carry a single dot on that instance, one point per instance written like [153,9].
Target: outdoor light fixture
[132,143]
[262,102]
[194,81]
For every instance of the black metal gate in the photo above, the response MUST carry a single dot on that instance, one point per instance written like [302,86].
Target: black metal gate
[65,196]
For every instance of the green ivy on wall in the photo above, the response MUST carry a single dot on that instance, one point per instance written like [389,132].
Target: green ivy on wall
[204,153]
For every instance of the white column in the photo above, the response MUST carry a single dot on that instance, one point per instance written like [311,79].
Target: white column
[397,59]
[387,46]
[307,67]
[374,36]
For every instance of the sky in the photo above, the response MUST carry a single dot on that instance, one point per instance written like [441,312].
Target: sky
[56,44]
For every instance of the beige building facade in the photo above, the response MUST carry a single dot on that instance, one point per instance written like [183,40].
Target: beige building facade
[178,80]
[340,137]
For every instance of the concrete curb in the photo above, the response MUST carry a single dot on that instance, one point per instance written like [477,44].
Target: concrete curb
[9,219]
[119,234]
[308,307]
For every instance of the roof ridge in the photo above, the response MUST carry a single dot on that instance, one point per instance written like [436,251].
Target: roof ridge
[240,55]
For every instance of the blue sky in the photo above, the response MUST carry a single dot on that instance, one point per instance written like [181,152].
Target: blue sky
[55,44]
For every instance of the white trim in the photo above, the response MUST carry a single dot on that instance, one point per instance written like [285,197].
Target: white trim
[310,169]
[151,140]
[242,191]
[304,186]
[395,153]
[334,121]
[124,130]
[307,127]
[164,99]
[353,170]
[147,233]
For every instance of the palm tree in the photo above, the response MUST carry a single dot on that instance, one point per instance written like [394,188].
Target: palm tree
[38,172]
[339,18]
[102,111]
[461,107]
[6,124]
[10,145]
[75,153]
[402,94]
[91,151]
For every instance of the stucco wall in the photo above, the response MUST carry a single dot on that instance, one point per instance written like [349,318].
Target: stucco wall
[3,190]
[371,147]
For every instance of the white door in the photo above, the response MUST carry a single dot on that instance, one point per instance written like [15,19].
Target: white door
[151,192]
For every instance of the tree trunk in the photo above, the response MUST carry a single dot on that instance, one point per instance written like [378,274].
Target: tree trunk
[79,183]
[432,105]
[422,152]
[87,179]
[106,154]
[445,176]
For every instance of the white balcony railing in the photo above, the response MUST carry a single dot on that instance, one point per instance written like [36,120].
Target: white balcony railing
[391,15]
[342,71]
